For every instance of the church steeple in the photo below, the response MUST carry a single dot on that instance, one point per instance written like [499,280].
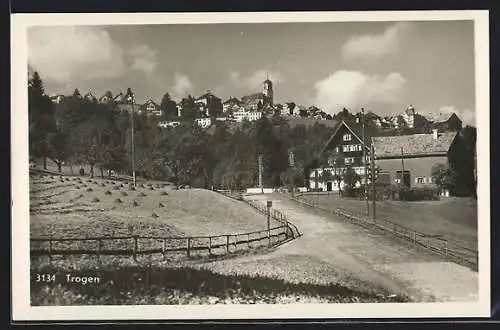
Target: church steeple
[268,90]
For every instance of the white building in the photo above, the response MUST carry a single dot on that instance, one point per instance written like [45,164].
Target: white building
[165,124]
[240,115]
[315,181]
[203,122]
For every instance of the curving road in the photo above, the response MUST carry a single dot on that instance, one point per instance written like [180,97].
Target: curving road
[372,257]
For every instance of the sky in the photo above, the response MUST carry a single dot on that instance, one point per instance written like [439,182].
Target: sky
[381,66]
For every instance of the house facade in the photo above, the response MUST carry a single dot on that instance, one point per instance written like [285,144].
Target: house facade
[151,108]
[203,122]
[407,160]
[342,150]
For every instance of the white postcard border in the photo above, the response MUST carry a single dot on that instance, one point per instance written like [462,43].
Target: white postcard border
[21,309]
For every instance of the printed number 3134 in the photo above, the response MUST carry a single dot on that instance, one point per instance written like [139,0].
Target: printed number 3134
[45,277]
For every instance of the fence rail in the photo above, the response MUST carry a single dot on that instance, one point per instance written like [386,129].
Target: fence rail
[435,244]
[147,245]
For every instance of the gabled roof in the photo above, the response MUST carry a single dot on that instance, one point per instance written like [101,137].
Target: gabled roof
[413,145]
[207,95]
[232,100]
[356,129]
[253,98]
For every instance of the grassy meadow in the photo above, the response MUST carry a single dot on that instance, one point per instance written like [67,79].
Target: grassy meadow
[454,219]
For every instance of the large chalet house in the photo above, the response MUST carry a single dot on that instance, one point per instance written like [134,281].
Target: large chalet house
[343,149]
[404,160]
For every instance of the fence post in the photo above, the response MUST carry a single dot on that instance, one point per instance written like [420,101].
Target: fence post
[50,249]
[227,243]
[188,250]
[235,242]
[248,241]
[210,245]
[135,248]
[414,238]
[99,241]
[163,248]
[446,248]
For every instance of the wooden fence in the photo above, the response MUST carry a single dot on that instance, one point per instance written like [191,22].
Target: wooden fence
[435,244]
[261,207]
[147,245]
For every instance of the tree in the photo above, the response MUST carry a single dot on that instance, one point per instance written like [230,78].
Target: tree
[443,176]
[41,118]
[168,107]
[326,175]
[189,108]
[350,177]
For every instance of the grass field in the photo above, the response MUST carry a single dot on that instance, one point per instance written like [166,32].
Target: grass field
[82,207]
[455,219]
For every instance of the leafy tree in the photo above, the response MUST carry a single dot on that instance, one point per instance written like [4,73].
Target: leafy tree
[168,107]
[350,177]
[443,176]
[189,108]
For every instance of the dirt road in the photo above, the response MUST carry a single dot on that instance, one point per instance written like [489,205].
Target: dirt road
[366,255]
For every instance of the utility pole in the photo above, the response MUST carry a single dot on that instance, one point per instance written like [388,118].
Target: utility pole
[260,175]
[402,167]
[374,191]
[364,159]
[130,97]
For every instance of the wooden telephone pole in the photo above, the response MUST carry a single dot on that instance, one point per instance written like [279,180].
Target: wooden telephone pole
[374,191]
[364,160]
[260,175]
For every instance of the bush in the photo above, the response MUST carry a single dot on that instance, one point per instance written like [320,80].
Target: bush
[107,192]
[124,193]
[164,193]
[90,189]
[81,171]
[135,203]
[160,204]
[154,215]
[119,201]
[95,200]
[418,194]
[353,192]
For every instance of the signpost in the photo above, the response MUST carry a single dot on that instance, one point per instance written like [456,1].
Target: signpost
[291,163]
[269,205]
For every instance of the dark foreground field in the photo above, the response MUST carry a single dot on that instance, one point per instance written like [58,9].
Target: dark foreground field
[146,285]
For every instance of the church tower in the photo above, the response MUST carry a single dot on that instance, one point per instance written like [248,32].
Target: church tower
[268,91]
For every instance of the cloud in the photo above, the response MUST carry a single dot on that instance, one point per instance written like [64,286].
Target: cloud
[374,46]
[66,53]
[143,59]
[254,81]
[467,116]
[182,85]
[355,89]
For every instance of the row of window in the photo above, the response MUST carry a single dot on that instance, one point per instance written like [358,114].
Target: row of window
[423,180]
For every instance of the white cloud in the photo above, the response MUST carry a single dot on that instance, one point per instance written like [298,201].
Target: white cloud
[355,89]
[254,81]
[64,53]
[143,59]
[467,116]
[375,46]
[182,85]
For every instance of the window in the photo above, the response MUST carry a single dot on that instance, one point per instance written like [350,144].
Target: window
[349,160]
[420,180]
[353,147]
[347,137]
[430,180]
[360,147]
[345,148]
[336,149]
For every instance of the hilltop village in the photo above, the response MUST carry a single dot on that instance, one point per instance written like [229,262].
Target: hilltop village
[208,108]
